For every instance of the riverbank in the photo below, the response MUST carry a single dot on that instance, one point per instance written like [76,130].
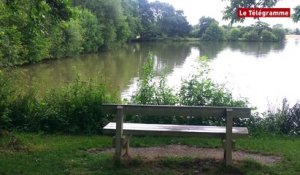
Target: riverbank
[292,36]
[24,153]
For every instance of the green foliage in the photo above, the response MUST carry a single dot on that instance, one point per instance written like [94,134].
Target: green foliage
[170,22]
[285,120]
[297,32]
[251,36]
[196,91]
[150,91]
[234,34]
[279,34]
[209,30]
[73,38]
[25,29]
[267,36]
[6,91]
[91,31]
[204,23]
[110,15]
[73,109]
[296,15]
[11,49]
[199,91]
[213,33]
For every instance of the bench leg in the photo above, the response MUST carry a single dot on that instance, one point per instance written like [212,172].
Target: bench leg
[119,134]
[123,149]
[228,152]
[228,137]
[126,147]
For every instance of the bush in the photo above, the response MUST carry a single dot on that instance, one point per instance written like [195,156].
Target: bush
[292,121]
[234,34]
[213,33]
[197,91]
[285,120]
[251,36]
[150,91]
[267,36]
[279,34]
[73,109]
[6,92]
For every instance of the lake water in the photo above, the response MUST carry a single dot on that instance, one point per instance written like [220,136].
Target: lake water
[264,73]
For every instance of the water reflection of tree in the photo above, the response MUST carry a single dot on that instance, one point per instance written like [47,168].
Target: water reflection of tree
[211,49]
[116,67]
[257,49]
[167,54]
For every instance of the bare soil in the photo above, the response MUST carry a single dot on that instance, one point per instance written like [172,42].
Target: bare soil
[152,153]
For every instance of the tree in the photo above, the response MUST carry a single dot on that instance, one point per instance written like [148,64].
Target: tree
[251,36]
[26,27]
[169,21]
[279,34]
[296,15]
[267,36]
[260,26]
[204,23]
[91,31]
[110,16]
[148,28]
[234,34]
[213,33]
[131,11]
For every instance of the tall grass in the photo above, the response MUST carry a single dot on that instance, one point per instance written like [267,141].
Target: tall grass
[74,108]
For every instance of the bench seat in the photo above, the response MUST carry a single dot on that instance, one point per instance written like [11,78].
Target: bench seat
[174,130]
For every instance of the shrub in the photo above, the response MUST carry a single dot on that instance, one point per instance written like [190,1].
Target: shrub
[279,34]
[6,92]
[151,91]
[213,33]
[73,109]
[197,91]
[285,120]
[251,36]
[234,34]
[267,36]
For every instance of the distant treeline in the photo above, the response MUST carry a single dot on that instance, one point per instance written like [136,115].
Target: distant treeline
[208,29]
[33,30]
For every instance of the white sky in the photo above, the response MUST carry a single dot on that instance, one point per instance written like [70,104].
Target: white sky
[195,9]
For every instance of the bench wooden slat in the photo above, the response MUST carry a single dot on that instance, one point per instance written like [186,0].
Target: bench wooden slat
[166,110]
[174,130]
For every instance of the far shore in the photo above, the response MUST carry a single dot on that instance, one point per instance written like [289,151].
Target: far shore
[292,36]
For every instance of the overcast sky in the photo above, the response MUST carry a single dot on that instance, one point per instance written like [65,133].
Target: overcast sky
[195,9]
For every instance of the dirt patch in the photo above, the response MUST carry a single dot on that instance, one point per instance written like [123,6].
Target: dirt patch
[152,153]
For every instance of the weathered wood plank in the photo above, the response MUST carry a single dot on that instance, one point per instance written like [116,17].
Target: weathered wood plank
[119,133]
[165,110]
[228,137]
[174,130]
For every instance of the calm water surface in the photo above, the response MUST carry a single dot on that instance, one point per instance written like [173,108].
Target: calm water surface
[264,73]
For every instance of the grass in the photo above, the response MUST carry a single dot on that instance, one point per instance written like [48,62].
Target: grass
[25,153]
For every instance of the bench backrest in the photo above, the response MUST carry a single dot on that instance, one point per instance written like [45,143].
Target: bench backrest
[167,110]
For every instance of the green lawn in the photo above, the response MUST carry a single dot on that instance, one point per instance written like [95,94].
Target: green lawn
[62,154]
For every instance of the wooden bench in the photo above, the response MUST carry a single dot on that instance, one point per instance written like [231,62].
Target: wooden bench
[226,133]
